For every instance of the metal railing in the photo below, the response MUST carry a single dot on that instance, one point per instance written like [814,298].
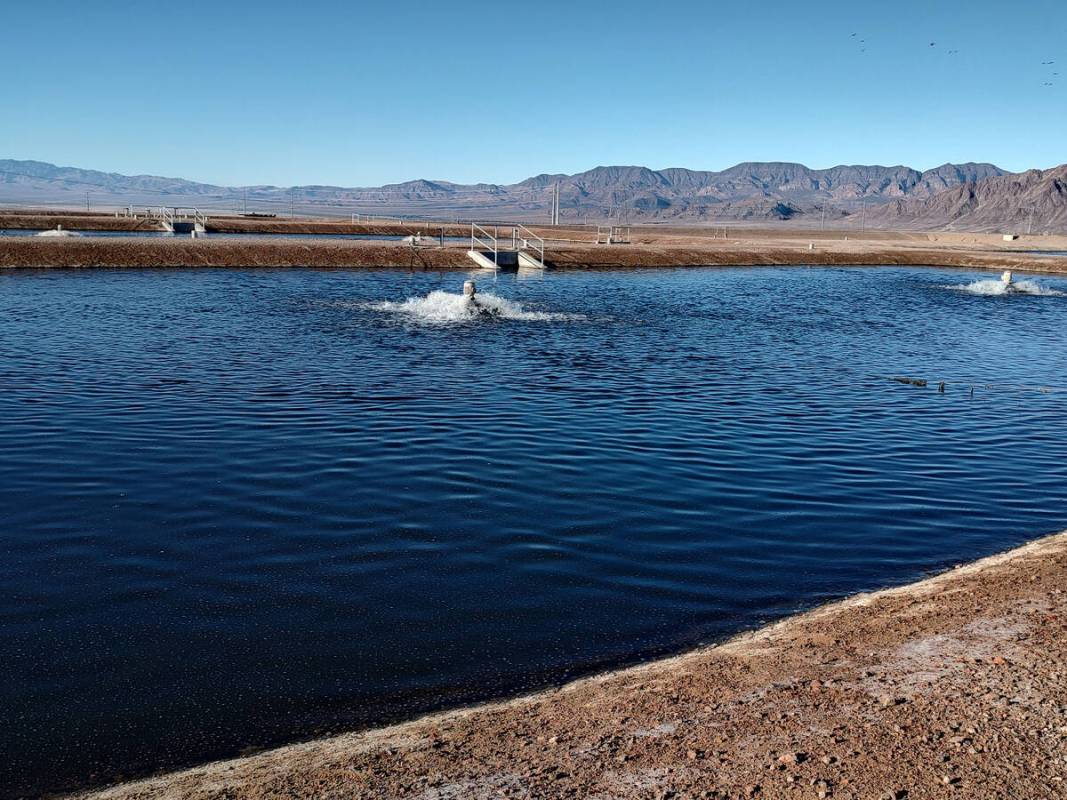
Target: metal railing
[531,243]
[490,241]
[359,218]
[613,234]
[168,216]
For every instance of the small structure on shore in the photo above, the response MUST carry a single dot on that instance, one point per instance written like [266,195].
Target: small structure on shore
[613,234]
[418,240]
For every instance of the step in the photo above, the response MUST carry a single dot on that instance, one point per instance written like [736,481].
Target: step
[505,259]
[529,260]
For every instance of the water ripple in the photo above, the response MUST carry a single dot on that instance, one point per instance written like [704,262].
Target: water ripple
[243,507]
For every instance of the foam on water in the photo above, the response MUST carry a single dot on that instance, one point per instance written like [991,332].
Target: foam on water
[438,308]
[997,287]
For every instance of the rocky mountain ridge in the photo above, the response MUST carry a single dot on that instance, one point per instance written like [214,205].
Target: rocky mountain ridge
[963,196]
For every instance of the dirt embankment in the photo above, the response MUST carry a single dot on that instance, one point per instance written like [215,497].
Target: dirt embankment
[954,687]
[182,252]
[139,253]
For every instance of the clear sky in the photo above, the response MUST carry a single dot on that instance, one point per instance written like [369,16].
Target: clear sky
[362,93]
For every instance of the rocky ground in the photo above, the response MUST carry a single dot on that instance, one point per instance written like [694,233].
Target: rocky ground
[954,687]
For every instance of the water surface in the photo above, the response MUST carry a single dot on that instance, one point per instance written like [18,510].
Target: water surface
[243,507]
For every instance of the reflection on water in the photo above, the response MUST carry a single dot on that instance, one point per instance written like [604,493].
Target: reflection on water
[242,507]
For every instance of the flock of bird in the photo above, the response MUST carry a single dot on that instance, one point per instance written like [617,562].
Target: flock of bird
[1050,82]
[1054,74]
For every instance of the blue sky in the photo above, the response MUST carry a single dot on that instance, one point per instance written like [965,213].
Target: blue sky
[356,93]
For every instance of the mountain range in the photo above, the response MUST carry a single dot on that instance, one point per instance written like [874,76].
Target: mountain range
[960,196]
[1032,201]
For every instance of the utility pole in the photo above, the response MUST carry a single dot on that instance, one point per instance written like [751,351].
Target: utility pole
[863,222]
[246,203]
[86,201]
[824,216]
[1030,224]
[291,201]
[555,204]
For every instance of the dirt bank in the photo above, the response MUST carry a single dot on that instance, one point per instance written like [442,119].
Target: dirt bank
[131,252]
[952,687]
[662,252]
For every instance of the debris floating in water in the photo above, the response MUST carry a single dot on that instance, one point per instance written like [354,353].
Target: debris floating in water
[909,381]
[942,385]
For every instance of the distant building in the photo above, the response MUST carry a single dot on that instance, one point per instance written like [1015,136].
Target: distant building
[1010,237]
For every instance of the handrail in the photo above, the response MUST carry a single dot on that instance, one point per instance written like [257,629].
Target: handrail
[361,218]
[490,241]
[532,241]
[613,234]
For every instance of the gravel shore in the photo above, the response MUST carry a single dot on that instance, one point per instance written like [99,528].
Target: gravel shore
[951,687]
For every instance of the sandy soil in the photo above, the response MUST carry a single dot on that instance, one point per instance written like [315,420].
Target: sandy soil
[566,246]
[954,687]
[647,251]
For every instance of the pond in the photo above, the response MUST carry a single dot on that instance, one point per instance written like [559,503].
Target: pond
[244,507]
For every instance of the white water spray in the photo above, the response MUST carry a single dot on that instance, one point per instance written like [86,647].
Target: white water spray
[58,232]
[1003,287]
[438,308]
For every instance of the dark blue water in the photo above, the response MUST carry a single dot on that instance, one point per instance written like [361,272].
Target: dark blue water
[243,507]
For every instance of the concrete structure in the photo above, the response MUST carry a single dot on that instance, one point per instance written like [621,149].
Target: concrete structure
[525,249]
[183,220]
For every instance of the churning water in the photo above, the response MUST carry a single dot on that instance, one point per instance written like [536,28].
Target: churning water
[1001,288]
[244,507]
[445,308]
